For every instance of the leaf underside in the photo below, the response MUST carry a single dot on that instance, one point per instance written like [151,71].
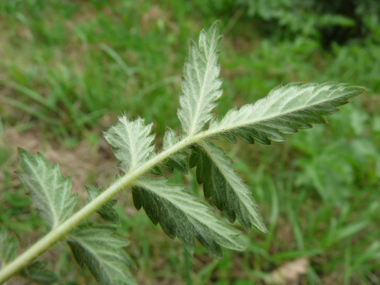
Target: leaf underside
[35,271]
[181,214]
[285,110]
[50,192]
[224,186]
[200,84]
[131,141]
[101,251]
[156,170]
[176,160]
[8,247]
[106,212]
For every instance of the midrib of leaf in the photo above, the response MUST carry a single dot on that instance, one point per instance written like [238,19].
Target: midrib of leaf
[221,169]
[131,144]
[90,248]
[227,176]
[221,129]
[202,95]
[188,213]
[47,196]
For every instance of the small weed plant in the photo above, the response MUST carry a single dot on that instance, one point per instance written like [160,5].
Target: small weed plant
[179,212]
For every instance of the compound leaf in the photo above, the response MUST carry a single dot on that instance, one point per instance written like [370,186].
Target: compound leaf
[106,212]
[181,214]
[220,182]
[131,141]
[8,247]
[200,85]
[48,189]
[101,251]
[285,110]
[35,271]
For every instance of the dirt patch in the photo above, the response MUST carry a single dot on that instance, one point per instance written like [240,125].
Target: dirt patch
[85,164]
[290,272]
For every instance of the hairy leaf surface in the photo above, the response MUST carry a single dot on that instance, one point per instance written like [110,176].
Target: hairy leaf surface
[8,247]
[156,170]
[101,251]
[285,110]
[178,159]
[220,182]
[50,192]
[131,141]
[106,212]
[35,271]
[200,85]
[181,214]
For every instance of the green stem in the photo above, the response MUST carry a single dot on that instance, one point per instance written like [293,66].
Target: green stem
[62,230]
[187,259]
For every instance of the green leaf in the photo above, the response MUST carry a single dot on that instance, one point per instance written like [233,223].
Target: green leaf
[106,212]
[200,85]
[34,271]
[178,159]
[8,247]
[48,189]
[131,141]
[225,187]
[101,251]
[156,170]
[285,110]
[181,214]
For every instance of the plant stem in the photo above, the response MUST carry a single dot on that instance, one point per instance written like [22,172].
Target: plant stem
[62,230]
[186,256]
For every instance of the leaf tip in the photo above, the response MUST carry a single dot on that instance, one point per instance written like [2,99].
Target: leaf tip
[23,152]
[20,149]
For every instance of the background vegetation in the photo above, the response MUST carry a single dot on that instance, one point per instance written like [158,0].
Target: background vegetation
[68,68]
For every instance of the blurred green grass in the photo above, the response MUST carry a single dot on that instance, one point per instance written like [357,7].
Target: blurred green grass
[69,68]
